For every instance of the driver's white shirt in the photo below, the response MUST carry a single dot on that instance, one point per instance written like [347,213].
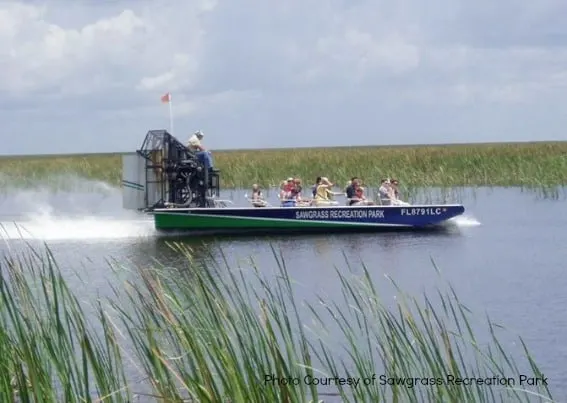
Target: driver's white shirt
[194,143]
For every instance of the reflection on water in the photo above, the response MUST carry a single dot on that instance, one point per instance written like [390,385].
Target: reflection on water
[321,247]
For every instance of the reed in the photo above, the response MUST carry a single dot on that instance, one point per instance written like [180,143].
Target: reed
[30,170]
[213,333]
[506,164]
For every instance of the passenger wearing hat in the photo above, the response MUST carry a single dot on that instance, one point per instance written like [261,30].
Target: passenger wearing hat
[323,192]
[194,144]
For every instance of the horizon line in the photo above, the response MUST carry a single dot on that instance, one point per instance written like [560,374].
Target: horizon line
[108,153]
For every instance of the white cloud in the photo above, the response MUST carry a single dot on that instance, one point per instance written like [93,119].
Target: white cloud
[176,78]
[38,55]
[360,54]
[281,74]
[128,50]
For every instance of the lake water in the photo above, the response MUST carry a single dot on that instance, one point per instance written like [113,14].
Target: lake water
[505,257]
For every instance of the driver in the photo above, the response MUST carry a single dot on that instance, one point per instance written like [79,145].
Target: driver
[194,144]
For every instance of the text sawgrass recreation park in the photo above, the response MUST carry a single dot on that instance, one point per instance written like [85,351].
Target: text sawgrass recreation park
[367,212]
[497,164]
[207,332]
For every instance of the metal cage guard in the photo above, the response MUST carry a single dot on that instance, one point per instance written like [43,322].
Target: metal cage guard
[182,180]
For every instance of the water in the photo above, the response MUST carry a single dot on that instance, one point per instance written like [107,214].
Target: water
[506,257]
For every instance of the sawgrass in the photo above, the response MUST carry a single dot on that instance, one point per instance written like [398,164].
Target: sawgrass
[34,169]
[535,164]
[506,164]
[212,334]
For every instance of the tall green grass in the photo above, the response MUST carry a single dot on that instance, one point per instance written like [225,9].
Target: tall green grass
[212,334]
[31,170]
[507,164]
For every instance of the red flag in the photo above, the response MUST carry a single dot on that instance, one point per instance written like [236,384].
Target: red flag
[166,98]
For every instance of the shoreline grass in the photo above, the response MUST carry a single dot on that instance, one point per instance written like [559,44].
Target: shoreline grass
[538,164]
[214,334]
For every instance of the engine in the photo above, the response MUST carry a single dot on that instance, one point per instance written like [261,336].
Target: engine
[190,183]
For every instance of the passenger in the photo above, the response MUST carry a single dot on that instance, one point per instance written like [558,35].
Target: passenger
[314,187]
[295,193]
[286,196]
[289,184]
[287,187]
[194,144]
[350,192]
[395,189]
[359,197]
[284,191]
[395,194]
[385,192]
[323,193]
[317,183]
[258,197]
[256,192]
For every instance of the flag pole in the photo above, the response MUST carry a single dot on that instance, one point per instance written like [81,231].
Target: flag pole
[166,99]
[170,115]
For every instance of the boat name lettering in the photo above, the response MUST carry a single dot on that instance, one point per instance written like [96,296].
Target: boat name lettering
[325,213]
[421,211]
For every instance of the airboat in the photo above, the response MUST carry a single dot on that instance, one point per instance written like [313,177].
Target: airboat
[181,190]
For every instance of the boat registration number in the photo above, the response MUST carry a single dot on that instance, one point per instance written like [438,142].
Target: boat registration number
[421,211]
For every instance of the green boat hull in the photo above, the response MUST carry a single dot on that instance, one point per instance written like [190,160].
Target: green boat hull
[196,222]
[278,220]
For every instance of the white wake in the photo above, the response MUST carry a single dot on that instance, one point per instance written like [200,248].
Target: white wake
[85,210]
[49,228]
[465,221]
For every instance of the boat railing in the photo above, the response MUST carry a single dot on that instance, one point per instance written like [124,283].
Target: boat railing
[257,202]
[222,203]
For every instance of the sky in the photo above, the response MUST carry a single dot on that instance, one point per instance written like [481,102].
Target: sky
[87,75]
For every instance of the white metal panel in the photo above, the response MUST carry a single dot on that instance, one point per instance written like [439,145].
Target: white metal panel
[133,181]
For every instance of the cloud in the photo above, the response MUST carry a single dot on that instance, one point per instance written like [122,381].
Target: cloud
[112,53]
[294,73]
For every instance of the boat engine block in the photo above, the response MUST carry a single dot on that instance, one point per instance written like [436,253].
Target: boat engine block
[188,184]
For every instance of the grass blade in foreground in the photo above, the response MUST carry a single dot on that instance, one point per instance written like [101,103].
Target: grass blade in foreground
[213,334]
